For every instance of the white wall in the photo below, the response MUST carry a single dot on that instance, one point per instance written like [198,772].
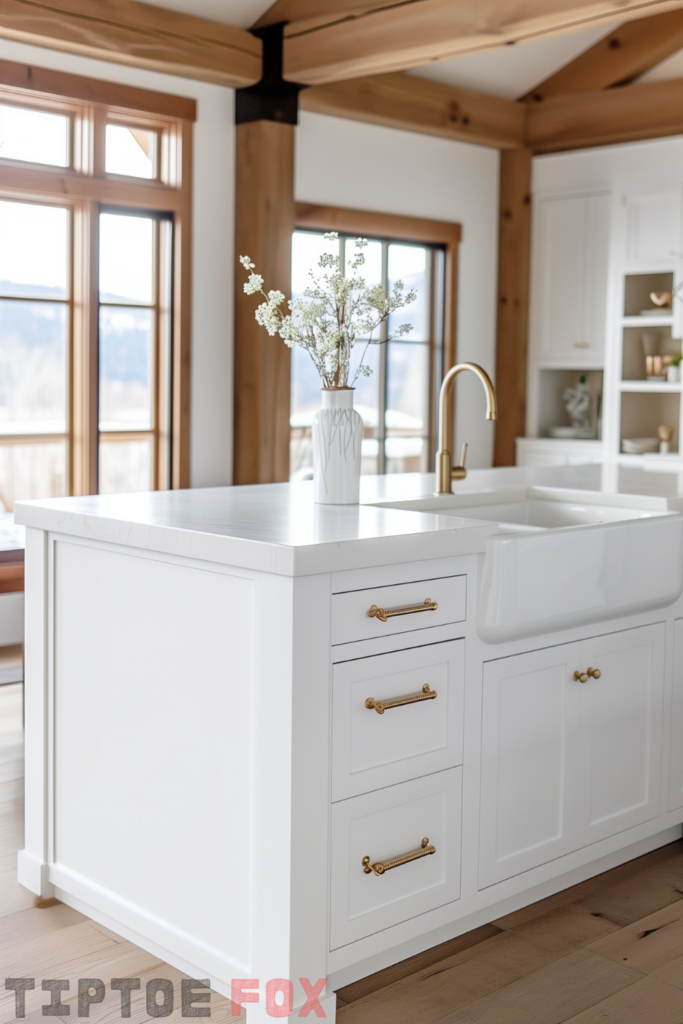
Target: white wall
[607,166]
[361,166]
[212,269]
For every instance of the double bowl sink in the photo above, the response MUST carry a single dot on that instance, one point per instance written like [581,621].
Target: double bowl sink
[556,563]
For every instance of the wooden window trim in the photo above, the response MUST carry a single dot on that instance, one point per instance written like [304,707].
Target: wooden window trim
[84,188]
[93,90]
[446,234]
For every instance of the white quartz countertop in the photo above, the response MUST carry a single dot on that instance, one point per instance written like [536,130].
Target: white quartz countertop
[278,527]
[272,527]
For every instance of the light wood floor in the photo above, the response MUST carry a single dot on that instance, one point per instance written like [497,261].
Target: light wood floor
[608,951]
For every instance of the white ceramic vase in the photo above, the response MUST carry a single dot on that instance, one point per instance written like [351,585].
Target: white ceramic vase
[337,438]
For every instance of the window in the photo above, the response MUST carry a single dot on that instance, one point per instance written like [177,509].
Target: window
[397,402]
[94,224]
[134,352]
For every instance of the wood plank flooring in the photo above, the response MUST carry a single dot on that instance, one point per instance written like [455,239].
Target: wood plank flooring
[607,951]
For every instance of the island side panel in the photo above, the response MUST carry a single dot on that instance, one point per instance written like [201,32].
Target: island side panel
[32,862]
[311,768]
[153,748]
[293,786]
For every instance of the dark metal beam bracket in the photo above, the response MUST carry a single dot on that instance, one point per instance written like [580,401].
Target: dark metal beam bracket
[271,99]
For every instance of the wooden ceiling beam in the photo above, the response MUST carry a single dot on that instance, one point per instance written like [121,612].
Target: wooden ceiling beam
[322,12]
[138,35]
[419,105]
[625,54]
[408,34]
[602,118]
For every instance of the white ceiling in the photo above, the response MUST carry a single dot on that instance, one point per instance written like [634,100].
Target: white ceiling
[672,67]
[512,71]
[241,13]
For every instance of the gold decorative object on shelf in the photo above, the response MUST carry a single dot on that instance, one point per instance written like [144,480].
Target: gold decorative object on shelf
[656,367]
[661,299]
[383,615]
[380,866]
[380,706]
[665,437]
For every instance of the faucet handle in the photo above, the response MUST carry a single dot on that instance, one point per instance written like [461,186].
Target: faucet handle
[459,472]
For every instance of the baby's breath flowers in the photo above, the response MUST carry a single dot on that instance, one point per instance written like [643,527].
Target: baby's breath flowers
[335,312]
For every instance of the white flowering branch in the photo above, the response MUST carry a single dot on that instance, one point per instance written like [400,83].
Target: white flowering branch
[336,310]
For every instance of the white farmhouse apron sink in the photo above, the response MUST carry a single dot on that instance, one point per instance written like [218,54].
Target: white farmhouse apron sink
[554,565]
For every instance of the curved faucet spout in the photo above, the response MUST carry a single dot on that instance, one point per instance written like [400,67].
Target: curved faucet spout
[445,471]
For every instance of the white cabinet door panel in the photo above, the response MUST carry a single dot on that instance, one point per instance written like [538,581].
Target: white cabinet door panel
[529,758]
[567,763]
[371,750]
[653,227]
[676,735]
[389,824]
[621,727]
[569,279]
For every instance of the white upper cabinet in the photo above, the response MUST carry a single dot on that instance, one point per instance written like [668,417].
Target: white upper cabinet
[653,227]
[571,241]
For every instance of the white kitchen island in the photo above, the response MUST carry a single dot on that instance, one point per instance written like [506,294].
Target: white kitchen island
[210,771]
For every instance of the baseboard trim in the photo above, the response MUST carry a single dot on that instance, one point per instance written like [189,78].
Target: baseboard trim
[33,874]
[159,937]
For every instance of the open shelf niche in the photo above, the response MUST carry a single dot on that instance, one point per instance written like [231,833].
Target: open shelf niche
[643,413]
[637,288]
[633,353]
[552,411]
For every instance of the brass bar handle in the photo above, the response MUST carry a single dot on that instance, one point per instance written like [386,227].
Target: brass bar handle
[383,615]
[591,673]
[380,706]
[380,866]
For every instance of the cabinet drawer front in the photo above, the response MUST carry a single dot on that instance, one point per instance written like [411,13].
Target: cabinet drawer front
[351,621]
[387,825]
[371,750]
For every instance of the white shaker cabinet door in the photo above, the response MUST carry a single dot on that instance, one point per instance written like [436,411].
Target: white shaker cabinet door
[653,227]
[569,279]
[529,761]
[676,725]
[620,731]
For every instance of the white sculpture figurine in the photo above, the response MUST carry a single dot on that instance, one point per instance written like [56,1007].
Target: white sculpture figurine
[579,402]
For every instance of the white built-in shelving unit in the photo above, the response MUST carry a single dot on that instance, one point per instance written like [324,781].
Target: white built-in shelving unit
[597,254]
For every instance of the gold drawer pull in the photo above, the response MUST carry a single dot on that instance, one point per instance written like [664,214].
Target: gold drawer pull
[583,677]
[382,615]
[380,706]
[386,865]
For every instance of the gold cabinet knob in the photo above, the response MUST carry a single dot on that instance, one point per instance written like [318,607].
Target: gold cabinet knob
[591,673]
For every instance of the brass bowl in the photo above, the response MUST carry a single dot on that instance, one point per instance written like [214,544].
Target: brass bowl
[661,299]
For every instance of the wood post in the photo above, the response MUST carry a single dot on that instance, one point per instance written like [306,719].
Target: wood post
[264,223]
[514,247]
